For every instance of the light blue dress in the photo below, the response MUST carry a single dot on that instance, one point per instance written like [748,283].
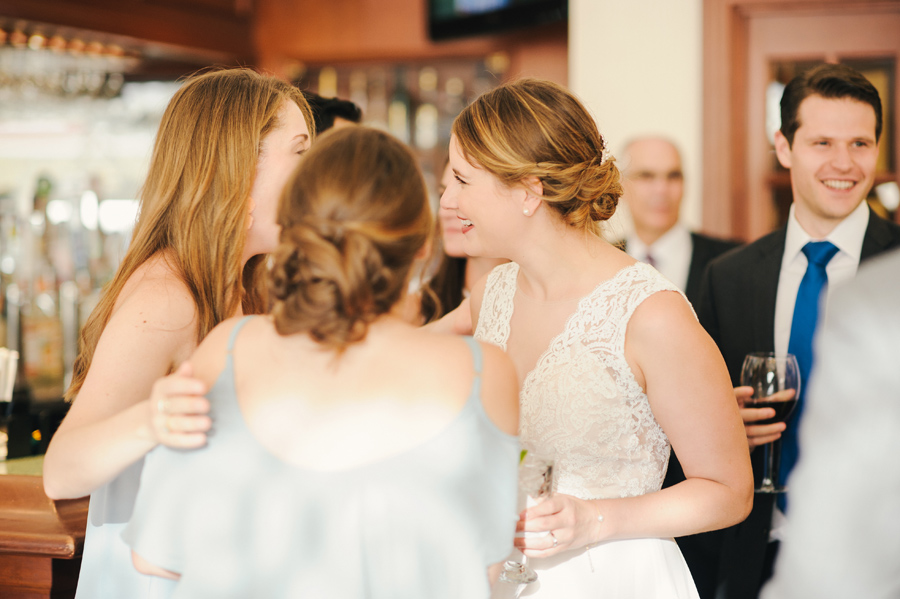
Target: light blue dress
[236,521]
[106,568]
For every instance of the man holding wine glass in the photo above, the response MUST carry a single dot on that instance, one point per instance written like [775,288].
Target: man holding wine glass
[765,296]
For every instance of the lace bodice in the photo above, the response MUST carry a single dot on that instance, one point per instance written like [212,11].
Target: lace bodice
[581,404]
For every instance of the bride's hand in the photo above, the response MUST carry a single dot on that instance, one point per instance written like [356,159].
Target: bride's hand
[572,522]
[179,414]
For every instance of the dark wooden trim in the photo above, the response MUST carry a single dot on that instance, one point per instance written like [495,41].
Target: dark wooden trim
[41,540]
[717,118]
[33,524]
[30,577]
[188,26]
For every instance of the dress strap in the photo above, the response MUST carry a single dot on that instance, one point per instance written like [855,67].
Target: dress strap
[240,324]
[477,358]
[497,305]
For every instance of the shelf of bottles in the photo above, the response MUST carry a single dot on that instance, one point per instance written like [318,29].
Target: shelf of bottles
[69,176]
[416,102]
[45,277]
[52,82]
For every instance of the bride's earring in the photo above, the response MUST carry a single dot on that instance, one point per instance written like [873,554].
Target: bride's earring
[250,214]
[526,212]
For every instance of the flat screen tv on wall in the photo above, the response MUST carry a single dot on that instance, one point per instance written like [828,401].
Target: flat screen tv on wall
[449,19]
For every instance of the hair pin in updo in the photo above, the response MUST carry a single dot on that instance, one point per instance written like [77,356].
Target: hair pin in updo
[605,154]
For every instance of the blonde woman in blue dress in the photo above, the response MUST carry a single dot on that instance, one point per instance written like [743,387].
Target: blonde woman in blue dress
[612,363]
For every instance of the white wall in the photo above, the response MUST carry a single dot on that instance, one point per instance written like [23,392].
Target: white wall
[637,64]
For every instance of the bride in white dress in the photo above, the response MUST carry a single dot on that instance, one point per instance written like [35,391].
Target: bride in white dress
[612,363]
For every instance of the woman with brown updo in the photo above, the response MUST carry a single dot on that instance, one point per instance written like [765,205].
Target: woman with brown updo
[613,365]
[354,454]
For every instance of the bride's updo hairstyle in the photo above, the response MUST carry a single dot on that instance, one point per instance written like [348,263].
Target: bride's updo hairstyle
[353,216]
[536,128]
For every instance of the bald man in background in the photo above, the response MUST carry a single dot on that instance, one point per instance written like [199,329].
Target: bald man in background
[654,188]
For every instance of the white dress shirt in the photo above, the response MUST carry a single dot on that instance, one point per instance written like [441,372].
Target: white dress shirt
[847,236]
[671,253]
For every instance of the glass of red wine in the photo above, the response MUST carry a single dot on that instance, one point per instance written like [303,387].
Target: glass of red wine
[776,384]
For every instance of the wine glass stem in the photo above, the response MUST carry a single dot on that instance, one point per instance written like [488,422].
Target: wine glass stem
[770,468]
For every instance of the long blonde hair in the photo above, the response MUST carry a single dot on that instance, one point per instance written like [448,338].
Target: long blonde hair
[195,201]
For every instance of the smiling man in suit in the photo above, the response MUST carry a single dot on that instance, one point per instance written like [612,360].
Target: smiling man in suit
[764,296]
[654,188]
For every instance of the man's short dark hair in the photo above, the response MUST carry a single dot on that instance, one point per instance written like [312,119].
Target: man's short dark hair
[325,110]
[831,81]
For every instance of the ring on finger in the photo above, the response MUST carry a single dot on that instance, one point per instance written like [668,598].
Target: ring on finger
[555,540]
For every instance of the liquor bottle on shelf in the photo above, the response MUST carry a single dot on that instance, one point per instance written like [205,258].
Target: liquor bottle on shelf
[328,82]
[42,341]
[377,114]
[17,413]
[359,93]
[399,108]
[454,101]
[9,244]
[427,117]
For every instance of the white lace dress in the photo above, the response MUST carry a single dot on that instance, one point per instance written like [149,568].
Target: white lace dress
[582,406]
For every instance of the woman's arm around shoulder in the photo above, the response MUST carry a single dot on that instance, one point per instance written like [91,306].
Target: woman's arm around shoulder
[208,360]
[110,423]
[463,319]
[500,389]
[455,322]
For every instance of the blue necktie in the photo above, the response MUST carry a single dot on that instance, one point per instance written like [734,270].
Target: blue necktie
[803,327]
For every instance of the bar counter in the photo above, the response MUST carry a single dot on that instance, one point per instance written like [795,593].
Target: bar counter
[41,540]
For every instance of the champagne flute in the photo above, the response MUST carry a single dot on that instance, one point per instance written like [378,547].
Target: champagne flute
[535,485]
[776,384]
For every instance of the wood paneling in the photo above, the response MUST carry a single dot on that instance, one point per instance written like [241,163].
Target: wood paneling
[351,31]
[735,200]
[30,577]
[40,540]
[221,28]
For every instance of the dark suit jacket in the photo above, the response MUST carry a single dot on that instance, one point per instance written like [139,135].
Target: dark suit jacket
[737,308]
[703,249]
